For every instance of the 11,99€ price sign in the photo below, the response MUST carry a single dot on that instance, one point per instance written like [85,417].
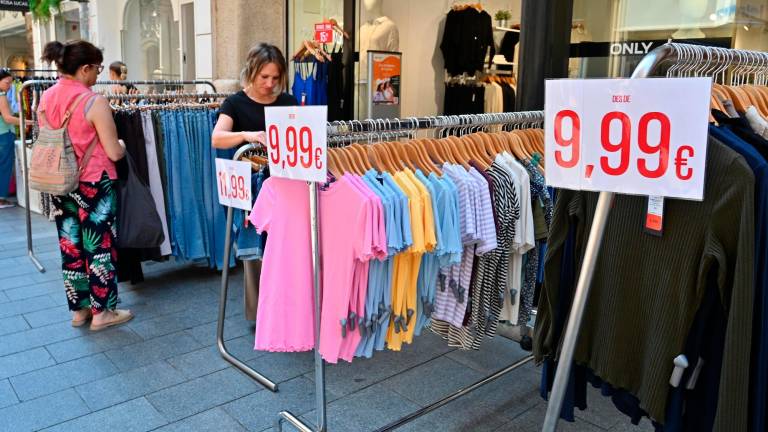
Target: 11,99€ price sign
[630,136]
[297,142]
[233,179]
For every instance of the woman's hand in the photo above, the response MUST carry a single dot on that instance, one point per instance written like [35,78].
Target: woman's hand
[255,137]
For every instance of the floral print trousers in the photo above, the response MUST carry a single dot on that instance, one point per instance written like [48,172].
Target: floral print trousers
[86,221]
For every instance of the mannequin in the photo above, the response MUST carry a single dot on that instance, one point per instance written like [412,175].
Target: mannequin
[378,33]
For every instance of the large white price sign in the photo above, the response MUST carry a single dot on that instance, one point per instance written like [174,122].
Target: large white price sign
[234,183]
[297,142]
[631,136]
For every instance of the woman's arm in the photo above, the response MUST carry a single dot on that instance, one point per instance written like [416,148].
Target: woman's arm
[5,111]
[100,116]
[224,138]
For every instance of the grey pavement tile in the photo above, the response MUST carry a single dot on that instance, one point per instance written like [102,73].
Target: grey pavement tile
[19,307]
[213,420]
[235,326]
[93,343]
[345,378]
[43,412]
[260,410]
[280,367]
[62,376]
[532,420]
[627,426]
[7,395]
[203,393]
[12,325]
[137,415]
[35,289]
[208,360]
[3,297]
[365,410]
[147,352]
[38,337]
[9,282]
[49,316]
[494,354]
[59,299]
[172,323]
[600,410]
[432,381]
[19,363]
[129,385]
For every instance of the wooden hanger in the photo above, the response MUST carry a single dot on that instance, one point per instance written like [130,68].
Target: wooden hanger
[455,146]
[472,144]
[357,165]
[376,160]
[390,164]
[362,155]
[514,145]
[425,158]
[333,164]
[757,98]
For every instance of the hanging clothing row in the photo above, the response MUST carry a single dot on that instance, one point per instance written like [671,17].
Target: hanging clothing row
[171,147]
[675,324]
[473,95]
[428,212]
[318,75]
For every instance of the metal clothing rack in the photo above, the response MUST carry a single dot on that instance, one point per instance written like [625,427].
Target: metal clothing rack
[339,131]
[688,60]
[23,138]
[151,96]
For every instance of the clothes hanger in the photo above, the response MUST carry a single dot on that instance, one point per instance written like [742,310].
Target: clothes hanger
[333,164]
[362,155]
[513,145]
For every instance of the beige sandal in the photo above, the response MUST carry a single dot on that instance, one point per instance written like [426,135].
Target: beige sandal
[81,322]
[121,316]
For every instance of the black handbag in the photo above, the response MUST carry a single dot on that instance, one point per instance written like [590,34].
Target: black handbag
[138,224]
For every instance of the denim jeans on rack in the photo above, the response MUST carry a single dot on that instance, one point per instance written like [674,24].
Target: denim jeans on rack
[186,215]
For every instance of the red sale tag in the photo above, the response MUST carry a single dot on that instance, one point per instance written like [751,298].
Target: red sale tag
[654,219]
[631,136]
[324,33]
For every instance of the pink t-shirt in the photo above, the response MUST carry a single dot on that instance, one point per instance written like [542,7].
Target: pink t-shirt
[55,102]
[360,281]
[286,320]
[346,237]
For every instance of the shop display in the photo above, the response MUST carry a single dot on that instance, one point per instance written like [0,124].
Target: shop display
[440,224]
[674,323]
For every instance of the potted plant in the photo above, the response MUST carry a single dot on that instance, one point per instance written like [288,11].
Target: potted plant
[502,17]
[43,9]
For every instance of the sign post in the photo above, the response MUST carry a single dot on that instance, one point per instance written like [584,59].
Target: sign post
[611,136]
[297,146]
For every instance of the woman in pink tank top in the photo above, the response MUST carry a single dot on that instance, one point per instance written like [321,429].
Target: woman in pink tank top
[86,218]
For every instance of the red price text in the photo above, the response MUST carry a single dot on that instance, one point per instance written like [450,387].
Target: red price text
[653,166]
[232,186]
[298,145]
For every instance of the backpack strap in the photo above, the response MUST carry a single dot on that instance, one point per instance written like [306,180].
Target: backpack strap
[71,109]
[87,155]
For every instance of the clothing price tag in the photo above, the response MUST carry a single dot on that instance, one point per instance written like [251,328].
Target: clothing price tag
[654,219]
[630,136]
[297,142]
[234,183]
[324,33]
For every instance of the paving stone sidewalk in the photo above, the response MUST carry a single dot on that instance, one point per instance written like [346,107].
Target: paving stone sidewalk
[161,372]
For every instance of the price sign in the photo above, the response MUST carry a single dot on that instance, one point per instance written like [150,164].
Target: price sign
[297,142]
[324,33]
[631,136]
[234,183]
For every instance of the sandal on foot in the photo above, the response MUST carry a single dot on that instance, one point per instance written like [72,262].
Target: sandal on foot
[81,322]
[121,316]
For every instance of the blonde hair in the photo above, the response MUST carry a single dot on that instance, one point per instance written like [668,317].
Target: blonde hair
[259,56]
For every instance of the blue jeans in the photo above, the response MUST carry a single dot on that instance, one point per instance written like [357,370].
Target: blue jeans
[7,157]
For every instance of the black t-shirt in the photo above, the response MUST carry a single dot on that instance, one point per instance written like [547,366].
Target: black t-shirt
[247,114]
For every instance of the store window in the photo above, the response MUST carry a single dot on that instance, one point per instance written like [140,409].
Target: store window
[415,30]
[15,50]
[612,47]
[150,40]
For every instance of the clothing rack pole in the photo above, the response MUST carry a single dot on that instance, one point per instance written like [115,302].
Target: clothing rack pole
[383,126]
[261,379]
[22,128]
[123,97]
[666,52]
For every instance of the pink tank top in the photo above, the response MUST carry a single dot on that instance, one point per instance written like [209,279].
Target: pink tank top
[55,102]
